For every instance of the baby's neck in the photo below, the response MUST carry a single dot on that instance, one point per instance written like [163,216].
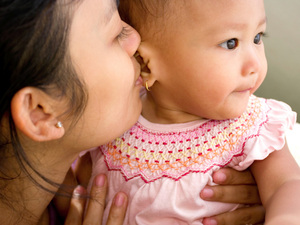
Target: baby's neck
[156,113]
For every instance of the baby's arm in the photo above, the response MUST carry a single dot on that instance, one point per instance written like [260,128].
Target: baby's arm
[278,180]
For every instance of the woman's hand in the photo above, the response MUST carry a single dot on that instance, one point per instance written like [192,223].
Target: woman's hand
[235,187]
[96,205]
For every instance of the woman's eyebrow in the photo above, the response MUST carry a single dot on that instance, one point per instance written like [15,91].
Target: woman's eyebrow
[110,11]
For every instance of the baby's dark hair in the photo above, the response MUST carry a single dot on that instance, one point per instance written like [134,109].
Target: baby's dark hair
[135,11]
[34,38]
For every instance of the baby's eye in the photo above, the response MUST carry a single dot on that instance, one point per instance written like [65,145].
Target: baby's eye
[258,37]
[230,44]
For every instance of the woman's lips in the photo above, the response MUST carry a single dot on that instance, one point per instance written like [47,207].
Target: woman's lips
[139,81]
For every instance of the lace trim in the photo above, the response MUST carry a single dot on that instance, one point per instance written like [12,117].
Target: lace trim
[152,155]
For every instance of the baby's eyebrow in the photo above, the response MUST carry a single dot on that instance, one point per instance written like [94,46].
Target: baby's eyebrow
[263,21]
[237,26]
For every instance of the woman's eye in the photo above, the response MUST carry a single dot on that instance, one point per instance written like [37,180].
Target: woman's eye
[230,44]
[258,37]
[125,32]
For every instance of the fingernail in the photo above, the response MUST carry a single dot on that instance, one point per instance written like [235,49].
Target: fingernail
[100,181]
[210,221]
[219,177]
[78,191]
[119,199]
[207,193]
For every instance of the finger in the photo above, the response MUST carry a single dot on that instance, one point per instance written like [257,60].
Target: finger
[118,210]
[76,208]
[243,194]
[231,176]
[242,216]
[96,205]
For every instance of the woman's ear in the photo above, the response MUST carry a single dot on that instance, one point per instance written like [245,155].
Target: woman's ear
[33,114]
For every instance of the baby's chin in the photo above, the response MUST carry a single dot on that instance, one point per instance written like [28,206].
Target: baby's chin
[231,113]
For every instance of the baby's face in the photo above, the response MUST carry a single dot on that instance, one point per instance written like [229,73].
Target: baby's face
[210,56]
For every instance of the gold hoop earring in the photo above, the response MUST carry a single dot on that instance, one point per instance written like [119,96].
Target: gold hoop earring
[58,124]
[146,86]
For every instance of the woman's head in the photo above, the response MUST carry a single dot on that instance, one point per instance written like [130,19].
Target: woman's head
[66,61]
[102,48]
[34,53]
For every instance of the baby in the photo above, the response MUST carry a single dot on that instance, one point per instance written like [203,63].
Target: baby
[202,60]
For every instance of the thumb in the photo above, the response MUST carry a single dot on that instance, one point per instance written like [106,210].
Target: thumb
[77,206]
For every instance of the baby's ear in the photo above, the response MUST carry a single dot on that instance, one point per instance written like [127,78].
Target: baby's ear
[145,57]
[144,64]
[33,114]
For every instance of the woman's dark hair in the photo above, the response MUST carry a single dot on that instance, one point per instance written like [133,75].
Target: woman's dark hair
[34,52]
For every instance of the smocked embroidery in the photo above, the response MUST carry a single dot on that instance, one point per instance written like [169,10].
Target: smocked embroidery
[152,155]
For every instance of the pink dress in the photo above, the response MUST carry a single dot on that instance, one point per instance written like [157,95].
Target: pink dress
[163,167]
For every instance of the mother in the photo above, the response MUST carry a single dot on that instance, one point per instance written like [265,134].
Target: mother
[64,63]
[69,82]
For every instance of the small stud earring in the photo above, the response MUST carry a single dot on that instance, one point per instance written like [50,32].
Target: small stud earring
[59,124]
[146,86]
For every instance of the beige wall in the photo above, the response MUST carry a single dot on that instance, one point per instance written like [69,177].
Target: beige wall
[283,53]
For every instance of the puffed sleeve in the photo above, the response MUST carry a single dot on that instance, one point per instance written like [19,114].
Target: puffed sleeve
[271,136]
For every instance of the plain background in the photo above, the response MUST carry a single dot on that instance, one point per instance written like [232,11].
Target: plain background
[282,46]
